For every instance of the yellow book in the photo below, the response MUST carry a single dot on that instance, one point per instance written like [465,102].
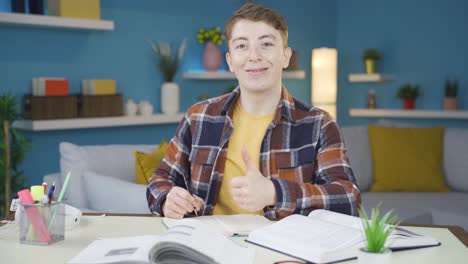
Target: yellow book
[87,9]
[101,87]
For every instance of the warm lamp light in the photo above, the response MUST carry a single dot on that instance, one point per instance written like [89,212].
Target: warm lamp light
[324,83]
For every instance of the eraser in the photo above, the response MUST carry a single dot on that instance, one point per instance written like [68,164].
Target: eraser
[37,191]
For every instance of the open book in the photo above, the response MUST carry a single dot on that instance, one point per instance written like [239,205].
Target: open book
[234,225]
[188,241]
[325,236]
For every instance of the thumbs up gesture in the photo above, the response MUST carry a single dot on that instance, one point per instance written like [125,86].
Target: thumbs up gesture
[253,191]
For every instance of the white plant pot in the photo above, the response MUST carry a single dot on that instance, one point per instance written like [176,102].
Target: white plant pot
[170,98]
[365,257]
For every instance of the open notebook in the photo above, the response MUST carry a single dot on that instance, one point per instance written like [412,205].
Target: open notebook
[237,225]
[187,241]
[325,236]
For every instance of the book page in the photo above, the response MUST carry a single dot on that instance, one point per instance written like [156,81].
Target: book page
[399,238]
[240,224]
[200,237]
[305,237]
[117,250]
[337,218]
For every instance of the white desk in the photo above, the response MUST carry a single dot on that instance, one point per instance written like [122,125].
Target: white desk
[91,227]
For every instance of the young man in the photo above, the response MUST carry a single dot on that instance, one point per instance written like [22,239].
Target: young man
[256,150]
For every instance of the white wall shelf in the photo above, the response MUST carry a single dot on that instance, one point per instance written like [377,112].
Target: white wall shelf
[376,77]
[96,122]
[200,75]
[54,21]
[399,113]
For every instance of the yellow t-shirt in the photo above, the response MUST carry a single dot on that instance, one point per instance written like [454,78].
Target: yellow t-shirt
[249,131]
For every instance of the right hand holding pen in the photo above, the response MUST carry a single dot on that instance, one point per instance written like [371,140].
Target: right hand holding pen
[179,202]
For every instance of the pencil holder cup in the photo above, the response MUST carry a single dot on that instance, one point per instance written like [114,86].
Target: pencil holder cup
[41,224]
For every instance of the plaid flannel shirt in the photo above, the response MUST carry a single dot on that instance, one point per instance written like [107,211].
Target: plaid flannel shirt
[303,154]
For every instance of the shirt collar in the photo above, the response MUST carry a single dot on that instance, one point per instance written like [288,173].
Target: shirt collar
[284,110]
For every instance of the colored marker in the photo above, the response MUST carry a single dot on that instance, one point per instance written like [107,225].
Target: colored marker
[51,192]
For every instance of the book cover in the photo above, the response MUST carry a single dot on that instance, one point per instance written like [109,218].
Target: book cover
[50,86]
[55,87]
[86,9]
[103,87]
[98,87]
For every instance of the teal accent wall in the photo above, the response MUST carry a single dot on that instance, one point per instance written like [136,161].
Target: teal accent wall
[124,55]
[422,41]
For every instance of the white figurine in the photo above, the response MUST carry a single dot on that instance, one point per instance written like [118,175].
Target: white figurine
[145,108]
[131,108]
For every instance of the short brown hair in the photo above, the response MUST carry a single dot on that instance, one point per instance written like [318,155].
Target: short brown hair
[256,13]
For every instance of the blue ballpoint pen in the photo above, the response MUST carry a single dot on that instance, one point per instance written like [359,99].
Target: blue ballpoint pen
[51,192]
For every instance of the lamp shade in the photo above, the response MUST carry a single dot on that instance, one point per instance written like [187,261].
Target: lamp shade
[324,79]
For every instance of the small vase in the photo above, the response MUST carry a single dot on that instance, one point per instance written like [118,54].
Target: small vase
[170,98]
[371,66]
[450,103]
[365,257]
[408,104]
[212,58]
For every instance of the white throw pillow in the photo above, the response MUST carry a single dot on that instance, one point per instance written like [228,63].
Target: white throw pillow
[456,158]
[357,142]
[114,160]
[110,195]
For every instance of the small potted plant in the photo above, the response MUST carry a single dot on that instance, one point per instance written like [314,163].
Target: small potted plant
[408,93]
[212,38]
[377,229]
[451,92]
[371,57]
[168,58]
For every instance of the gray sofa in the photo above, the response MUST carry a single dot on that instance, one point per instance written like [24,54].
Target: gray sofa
[103,180]
[449,208]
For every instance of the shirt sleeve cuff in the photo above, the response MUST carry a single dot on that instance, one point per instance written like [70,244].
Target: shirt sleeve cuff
[286,197]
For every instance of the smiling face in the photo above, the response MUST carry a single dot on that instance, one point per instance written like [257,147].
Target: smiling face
[256,55]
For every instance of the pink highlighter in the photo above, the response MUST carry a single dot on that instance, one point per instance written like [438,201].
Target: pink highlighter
[34,216]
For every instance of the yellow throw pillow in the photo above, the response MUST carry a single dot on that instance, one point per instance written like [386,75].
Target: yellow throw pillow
[407,159]
[146,163]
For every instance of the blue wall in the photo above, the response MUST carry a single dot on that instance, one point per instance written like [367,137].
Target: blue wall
[422,41]
[124,55]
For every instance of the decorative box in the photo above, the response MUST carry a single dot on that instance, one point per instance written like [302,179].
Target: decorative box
[100,105]
[50,107]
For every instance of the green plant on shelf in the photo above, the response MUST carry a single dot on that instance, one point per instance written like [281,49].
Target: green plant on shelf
[168,57]
[371,54]
[408,91]
[451,88]
[214,35]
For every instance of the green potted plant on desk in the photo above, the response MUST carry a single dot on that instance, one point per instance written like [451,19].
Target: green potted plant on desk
[377,229]
[371,57]
[13,147]
[408,93]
